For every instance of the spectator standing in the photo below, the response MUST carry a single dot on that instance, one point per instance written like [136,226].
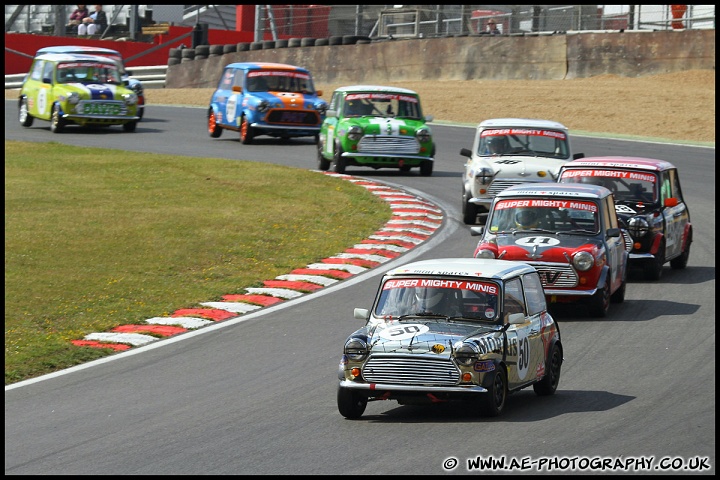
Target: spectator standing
[678,12]
[77,16]
[492,27]
[97,21]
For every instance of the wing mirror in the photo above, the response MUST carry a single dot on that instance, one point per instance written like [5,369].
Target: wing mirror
[361,313]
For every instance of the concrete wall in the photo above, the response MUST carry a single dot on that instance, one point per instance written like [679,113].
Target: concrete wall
[639,53]
[539,57]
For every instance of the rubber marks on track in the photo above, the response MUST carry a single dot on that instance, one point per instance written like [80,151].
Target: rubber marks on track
[413,221]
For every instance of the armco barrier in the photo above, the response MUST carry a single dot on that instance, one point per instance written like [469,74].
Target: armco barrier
[151,77]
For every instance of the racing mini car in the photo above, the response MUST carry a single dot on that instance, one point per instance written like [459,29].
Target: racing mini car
[133,83]
[376,126]
[460,330]
[262,98]
[569,233]
[648,198]
[85,90]
[510,151]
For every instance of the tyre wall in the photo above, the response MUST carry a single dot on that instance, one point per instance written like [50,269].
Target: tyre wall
[526,57]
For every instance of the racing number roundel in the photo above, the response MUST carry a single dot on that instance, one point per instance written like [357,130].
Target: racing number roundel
[231,108]
[42,101]
[523,354]
[538,240]
[403,332]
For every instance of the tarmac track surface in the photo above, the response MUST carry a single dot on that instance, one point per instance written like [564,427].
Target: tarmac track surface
[256,394]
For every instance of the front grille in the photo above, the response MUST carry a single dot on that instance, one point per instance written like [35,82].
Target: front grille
[293,117]
[501,184]
[101,107]
[628,241]
[556,275]
[411,370]
[388,144]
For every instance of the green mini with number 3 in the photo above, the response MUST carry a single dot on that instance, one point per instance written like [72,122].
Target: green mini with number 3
[376,126]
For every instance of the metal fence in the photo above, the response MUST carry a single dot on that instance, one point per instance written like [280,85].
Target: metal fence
[151,77]
[378,21]
[387,21]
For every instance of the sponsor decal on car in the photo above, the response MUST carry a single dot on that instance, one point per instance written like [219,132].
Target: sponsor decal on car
[494,132]
[276,73]
[381,96]
[647,177]
[485,287]
[589,206]
[484,366]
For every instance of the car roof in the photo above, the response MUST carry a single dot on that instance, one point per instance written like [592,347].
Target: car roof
[266,65]
[464,267]
[78,49]
[545,189]
[622,162]
[375,88]
[68,57]
[521,122]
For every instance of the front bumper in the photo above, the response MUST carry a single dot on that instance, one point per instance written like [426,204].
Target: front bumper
[641,256]
[380,388]
[570,293]
[387,155]
[98,118]
[298,130]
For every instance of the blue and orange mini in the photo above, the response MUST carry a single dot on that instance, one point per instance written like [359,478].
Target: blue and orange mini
[264,98]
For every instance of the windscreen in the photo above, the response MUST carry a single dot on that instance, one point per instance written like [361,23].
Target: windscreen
[536,214]
[471,299]
[279,81]
[379,104]
[524,141]
[88,72]
[627,186]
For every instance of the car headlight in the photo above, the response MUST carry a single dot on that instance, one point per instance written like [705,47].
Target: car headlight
[485,253]
[638,227]
[423,135]
[466,354]
[263,106]
[355,132]
[583,261]
[321,107]
[130,98]
[137,88]
[356,349]
[73,98]
[484,176]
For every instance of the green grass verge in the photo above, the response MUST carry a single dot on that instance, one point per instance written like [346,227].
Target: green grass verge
[97,238]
